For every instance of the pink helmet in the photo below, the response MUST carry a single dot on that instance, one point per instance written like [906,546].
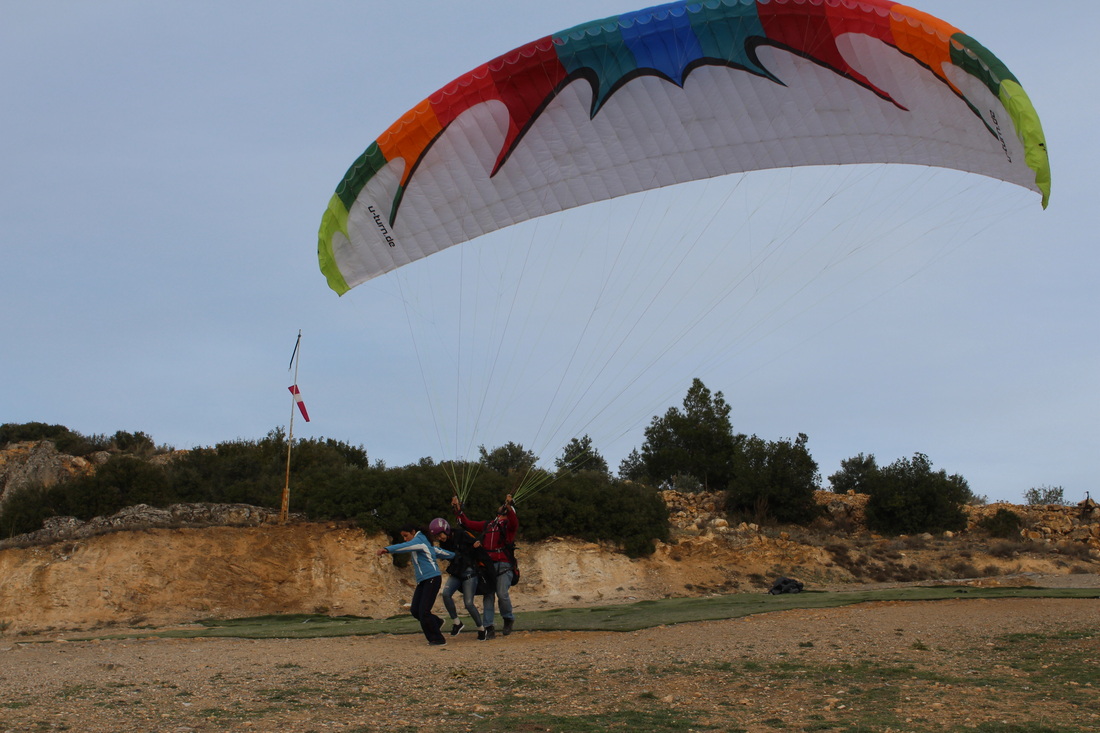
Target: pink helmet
[439,525]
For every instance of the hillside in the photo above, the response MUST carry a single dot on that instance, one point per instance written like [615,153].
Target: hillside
[172,575]
[158,566]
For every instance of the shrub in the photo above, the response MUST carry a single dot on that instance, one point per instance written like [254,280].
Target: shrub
[67,441]
[1008,549]
[24,511]
[853,474]
[1079,550]
[1004,524]
[1042,495]
[775,479]
[331,480]
[589,506]
[964,569]
[908,497]
[138,443]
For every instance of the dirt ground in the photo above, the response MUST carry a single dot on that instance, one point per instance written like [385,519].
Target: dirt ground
[945,665]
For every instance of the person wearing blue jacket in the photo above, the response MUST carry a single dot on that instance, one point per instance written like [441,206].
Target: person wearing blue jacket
[428,578]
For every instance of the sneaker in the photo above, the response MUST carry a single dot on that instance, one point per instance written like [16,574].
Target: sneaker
[508,626]
[441,642]
[481,634]
[456,627]
[490,633]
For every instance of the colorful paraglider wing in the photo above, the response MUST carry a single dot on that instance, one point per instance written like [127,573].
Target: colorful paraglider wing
[675,93]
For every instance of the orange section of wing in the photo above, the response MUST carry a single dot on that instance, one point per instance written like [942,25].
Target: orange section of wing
[410,136]
[928,41]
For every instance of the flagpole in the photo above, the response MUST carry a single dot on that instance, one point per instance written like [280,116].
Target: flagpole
[285,508]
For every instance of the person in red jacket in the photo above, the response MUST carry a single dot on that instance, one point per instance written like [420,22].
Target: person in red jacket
[497,537]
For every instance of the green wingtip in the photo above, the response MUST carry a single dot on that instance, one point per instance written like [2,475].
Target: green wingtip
[1030,131]
[335,220]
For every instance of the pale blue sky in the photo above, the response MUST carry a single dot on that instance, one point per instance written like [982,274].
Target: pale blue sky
[165,166]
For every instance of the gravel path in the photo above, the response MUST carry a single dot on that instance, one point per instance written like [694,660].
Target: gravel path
[902,666]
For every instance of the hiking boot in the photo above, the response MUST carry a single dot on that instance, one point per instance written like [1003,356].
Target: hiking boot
[508,626]
[456,627]
[481,634]
[490,633]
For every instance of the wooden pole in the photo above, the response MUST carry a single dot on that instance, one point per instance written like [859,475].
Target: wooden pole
[284,510]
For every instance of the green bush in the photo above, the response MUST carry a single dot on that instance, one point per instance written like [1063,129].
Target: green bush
[1043,495]
[908,497]
[1004,524]
[853,474]
[67,441]
[331,480]
[590,506]
[776,480]
[24,511]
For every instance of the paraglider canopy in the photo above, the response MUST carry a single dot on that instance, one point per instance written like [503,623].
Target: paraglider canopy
[670,94]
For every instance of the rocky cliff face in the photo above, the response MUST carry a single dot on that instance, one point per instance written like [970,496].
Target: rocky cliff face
[164,576]
[22,464]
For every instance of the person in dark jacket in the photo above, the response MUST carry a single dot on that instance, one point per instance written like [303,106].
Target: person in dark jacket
[461,573]
[428,578]
[497,538]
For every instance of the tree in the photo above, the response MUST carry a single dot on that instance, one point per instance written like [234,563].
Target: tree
[508,458]
[697,440]
[1041,495]
[854,474]
[579,455]
[138,443]
[907,497]
[632,468]
[775,479]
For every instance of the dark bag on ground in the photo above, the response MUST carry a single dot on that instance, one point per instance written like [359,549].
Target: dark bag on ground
[786,585]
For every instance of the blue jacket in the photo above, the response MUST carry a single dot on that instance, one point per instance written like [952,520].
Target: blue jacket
[424,553]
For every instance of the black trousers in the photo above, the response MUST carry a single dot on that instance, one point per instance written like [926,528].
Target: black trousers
[421,610]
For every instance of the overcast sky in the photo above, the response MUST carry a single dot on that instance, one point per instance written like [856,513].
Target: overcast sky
[165,167]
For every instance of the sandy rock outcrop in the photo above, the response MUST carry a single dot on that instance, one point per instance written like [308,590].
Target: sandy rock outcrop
[1049,523]
[143,516]
[166,576]
[39,462]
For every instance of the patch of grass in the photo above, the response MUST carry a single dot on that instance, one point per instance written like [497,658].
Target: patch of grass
[628,720]
[223,714]
[75,691]
[1029,727]
[1065,659]
[624,617]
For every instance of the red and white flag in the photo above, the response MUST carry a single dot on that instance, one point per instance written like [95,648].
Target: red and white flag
[298,399]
